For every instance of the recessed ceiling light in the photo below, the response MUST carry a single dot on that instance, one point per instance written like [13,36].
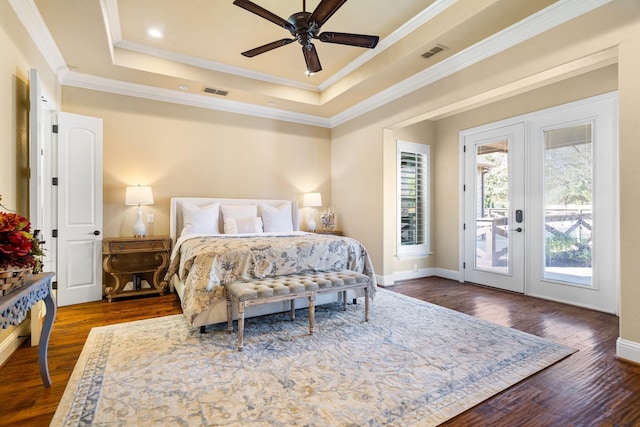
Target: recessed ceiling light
[271,104]
[183,87]
[155,33]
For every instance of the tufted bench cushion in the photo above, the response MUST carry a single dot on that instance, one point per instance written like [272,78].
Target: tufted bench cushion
[272,286]
[288,288]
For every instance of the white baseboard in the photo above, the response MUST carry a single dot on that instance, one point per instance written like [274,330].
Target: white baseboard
[628,350]
[389,280]
[384,281]
[447,274]
[13,341]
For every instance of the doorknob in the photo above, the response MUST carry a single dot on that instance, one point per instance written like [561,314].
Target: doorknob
[96,233]
[519,229]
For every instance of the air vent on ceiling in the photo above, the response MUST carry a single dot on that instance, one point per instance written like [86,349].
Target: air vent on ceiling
[437,49]
[216,91]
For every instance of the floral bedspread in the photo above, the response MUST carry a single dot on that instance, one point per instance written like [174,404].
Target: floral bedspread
[205,263]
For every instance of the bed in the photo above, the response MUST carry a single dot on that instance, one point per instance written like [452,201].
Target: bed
[217,241]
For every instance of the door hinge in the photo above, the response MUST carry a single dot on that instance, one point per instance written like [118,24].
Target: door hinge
[54,233]
[464,265]
[54,180]
[464,148]
[464,187]
[54,128]
[464,226]
[54,285]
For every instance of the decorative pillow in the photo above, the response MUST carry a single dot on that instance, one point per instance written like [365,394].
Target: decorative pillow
[239,211]
[277,218]
[242,225]
[200,220]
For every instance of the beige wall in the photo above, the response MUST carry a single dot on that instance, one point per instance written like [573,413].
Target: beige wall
[188,151]
[629,154]
[18,55]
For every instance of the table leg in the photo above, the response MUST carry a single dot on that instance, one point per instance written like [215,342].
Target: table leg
[49,317]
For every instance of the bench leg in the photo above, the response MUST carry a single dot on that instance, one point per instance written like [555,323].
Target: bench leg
[240,324]
[229,317]
[344,300]
[292,309]
[366,303]
[312,313]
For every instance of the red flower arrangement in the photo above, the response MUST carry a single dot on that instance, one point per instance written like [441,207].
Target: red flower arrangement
[19,248]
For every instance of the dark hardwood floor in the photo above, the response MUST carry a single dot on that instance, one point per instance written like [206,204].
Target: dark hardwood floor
[589,388]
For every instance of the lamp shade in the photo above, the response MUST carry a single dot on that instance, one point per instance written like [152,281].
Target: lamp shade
[312,199]
[138,195]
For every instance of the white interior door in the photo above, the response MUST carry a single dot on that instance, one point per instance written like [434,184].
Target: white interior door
[79,209]
[42,197]
[494,200]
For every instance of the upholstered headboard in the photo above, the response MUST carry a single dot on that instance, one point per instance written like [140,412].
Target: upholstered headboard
[175,219]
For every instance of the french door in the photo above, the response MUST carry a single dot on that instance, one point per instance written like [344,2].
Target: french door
[494,207]
[540,204]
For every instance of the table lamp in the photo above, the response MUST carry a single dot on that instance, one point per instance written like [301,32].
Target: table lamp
[139,195]
[312,200]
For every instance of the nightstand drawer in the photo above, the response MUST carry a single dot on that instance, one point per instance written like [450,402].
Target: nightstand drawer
[144,245]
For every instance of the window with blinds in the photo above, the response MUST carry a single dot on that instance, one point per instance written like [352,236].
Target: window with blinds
[413,214]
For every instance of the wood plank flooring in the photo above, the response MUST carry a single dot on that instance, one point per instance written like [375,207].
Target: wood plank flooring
[589,388]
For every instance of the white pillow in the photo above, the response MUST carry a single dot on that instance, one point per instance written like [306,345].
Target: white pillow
[239,211]
[200,220]
[277,218]
[242,225]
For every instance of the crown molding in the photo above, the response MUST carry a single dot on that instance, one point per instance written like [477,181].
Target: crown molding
[114,30]
[550,17]
[87,81]
[213,66]
[31,19]
[544,20]
[414,23]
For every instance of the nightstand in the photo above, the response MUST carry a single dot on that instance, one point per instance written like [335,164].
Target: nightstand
[331,232]
[140,262]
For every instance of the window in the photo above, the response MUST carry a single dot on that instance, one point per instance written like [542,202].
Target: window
[413,200]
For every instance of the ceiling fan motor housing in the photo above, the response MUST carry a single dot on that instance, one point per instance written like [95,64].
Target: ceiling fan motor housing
[304,30]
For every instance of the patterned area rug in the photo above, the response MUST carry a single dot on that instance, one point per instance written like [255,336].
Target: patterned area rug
[413,363]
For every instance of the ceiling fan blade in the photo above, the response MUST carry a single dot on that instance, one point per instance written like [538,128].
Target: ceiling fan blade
[267,47]
[311,58]
[360,40]
[325,10]
[264,13]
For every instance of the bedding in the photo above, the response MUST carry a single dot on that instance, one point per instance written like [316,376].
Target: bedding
[206,262]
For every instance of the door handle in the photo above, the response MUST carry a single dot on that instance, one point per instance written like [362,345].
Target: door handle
[519,229]
[96,233]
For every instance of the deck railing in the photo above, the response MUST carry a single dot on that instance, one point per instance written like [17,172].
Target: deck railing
[493,231]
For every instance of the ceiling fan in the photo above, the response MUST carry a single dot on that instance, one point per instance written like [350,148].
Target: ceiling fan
[304,27]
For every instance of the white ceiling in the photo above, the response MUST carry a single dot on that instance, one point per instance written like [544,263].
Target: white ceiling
[104,45]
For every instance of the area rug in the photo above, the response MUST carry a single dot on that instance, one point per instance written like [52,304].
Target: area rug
[413,363]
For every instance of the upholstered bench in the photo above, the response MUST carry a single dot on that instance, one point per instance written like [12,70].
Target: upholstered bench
[289,288]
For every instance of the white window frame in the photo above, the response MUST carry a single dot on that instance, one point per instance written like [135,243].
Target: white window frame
[418,250]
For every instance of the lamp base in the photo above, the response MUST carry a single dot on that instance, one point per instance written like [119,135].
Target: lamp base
[139,229]
[311,221]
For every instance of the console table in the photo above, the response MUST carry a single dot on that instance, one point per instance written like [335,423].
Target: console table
[15,305]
